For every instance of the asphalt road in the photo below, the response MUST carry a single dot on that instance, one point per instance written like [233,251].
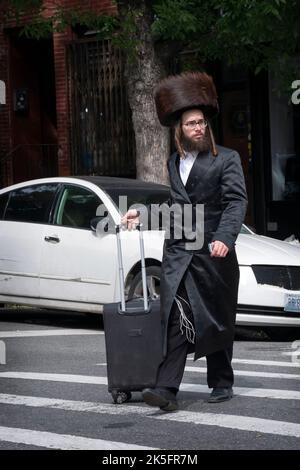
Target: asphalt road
[53,393]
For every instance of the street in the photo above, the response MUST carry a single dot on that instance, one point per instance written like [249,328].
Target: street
[53,393]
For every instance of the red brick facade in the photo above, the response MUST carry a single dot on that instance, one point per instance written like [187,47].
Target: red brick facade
[9,134]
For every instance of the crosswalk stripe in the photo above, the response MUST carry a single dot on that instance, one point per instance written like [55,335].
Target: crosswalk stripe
[247,392]
[86,379]
[257,362]
[61,441]
[249,373]
[54,332]
[244,423]
[186,387]
[70,405]
[245,373]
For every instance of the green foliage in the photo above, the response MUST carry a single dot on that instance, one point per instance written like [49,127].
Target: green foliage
[174,20]
[261,34]
[41,26]
[126,36]
[25,5]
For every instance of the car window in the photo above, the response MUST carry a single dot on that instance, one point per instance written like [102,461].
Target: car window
[148,197]
[3,202]
[77,207]
[31,204]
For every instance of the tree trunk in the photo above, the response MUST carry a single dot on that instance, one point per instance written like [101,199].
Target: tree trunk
[143,70]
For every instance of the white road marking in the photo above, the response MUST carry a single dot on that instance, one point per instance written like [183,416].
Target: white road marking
[70,405]
[2,352]
[247,392]
[245,373]
[249,373]
[84,379]
[244,423]
[186,387]
[257,362]
[61,441]
[30,333]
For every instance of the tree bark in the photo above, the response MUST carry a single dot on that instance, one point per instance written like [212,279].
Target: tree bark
[143,70]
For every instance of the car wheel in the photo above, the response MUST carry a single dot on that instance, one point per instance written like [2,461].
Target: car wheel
[153,283]
[120,397]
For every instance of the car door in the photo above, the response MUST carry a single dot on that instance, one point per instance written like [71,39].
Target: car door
[24,214]
[76,264]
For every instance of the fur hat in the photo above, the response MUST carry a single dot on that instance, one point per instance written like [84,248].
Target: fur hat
[178,93]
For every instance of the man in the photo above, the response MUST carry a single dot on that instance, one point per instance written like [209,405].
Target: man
[199,286]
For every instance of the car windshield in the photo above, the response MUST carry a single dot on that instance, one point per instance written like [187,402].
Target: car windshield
[246,230]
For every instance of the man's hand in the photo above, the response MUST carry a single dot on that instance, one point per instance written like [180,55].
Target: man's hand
[130,219]
[219,249]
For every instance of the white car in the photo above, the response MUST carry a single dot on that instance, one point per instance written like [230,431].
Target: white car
[50,257]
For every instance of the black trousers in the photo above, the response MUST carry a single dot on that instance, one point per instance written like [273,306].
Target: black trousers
[170,373]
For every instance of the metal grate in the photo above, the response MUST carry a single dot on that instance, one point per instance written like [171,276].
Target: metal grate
[287,277]
[102,137]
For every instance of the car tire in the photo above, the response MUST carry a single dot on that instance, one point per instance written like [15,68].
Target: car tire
[153,274]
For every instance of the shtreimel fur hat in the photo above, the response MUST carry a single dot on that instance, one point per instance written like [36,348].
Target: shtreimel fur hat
[178,93]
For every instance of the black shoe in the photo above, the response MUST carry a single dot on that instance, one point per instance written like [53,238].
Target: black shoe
[220,394]
[161,397]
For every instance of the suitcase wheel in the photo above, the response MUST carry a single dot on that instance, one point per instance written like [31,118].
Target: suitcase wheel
[120,397]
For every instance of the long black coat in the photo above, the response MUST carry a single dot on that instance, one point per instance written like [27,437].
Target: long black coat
[211,282]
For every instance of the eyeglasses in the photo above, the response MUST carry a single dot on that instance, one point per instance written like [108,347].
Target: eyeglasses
[193,124]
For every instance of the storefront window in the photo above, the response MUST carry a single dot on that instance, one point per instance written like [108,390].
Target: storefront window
[285,146]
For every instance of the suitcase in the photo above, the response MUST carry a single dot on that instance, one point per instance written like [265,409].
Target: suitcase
[133,337]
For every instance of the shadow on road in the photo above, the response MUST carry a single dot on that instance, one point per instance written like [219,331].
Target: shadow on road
[63,319]
[273,334]
[52,318]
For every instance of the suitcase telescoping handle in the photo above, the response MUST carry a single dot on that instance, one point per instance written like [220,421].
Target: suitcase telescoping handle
[121,270]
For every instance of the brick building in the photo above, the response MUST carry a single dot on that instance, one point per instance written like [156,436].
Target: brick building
[66,112]
[66,109]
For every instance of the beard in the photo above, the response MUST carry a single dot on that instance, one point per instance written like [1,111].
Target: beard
[191,145]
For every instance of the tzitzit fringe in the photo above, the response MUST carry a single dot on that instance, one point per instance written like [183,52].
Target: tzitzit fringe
[184,321]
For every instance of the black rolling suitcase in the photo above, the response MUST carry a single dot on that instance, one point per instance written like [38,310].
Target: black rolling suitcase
[133,337]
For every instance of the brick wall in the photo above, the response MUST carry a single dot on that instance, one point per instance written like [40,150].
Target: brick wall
[5,111]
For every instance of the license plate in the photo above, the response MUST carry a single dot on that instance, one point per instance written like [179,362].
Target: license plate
[292,303]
